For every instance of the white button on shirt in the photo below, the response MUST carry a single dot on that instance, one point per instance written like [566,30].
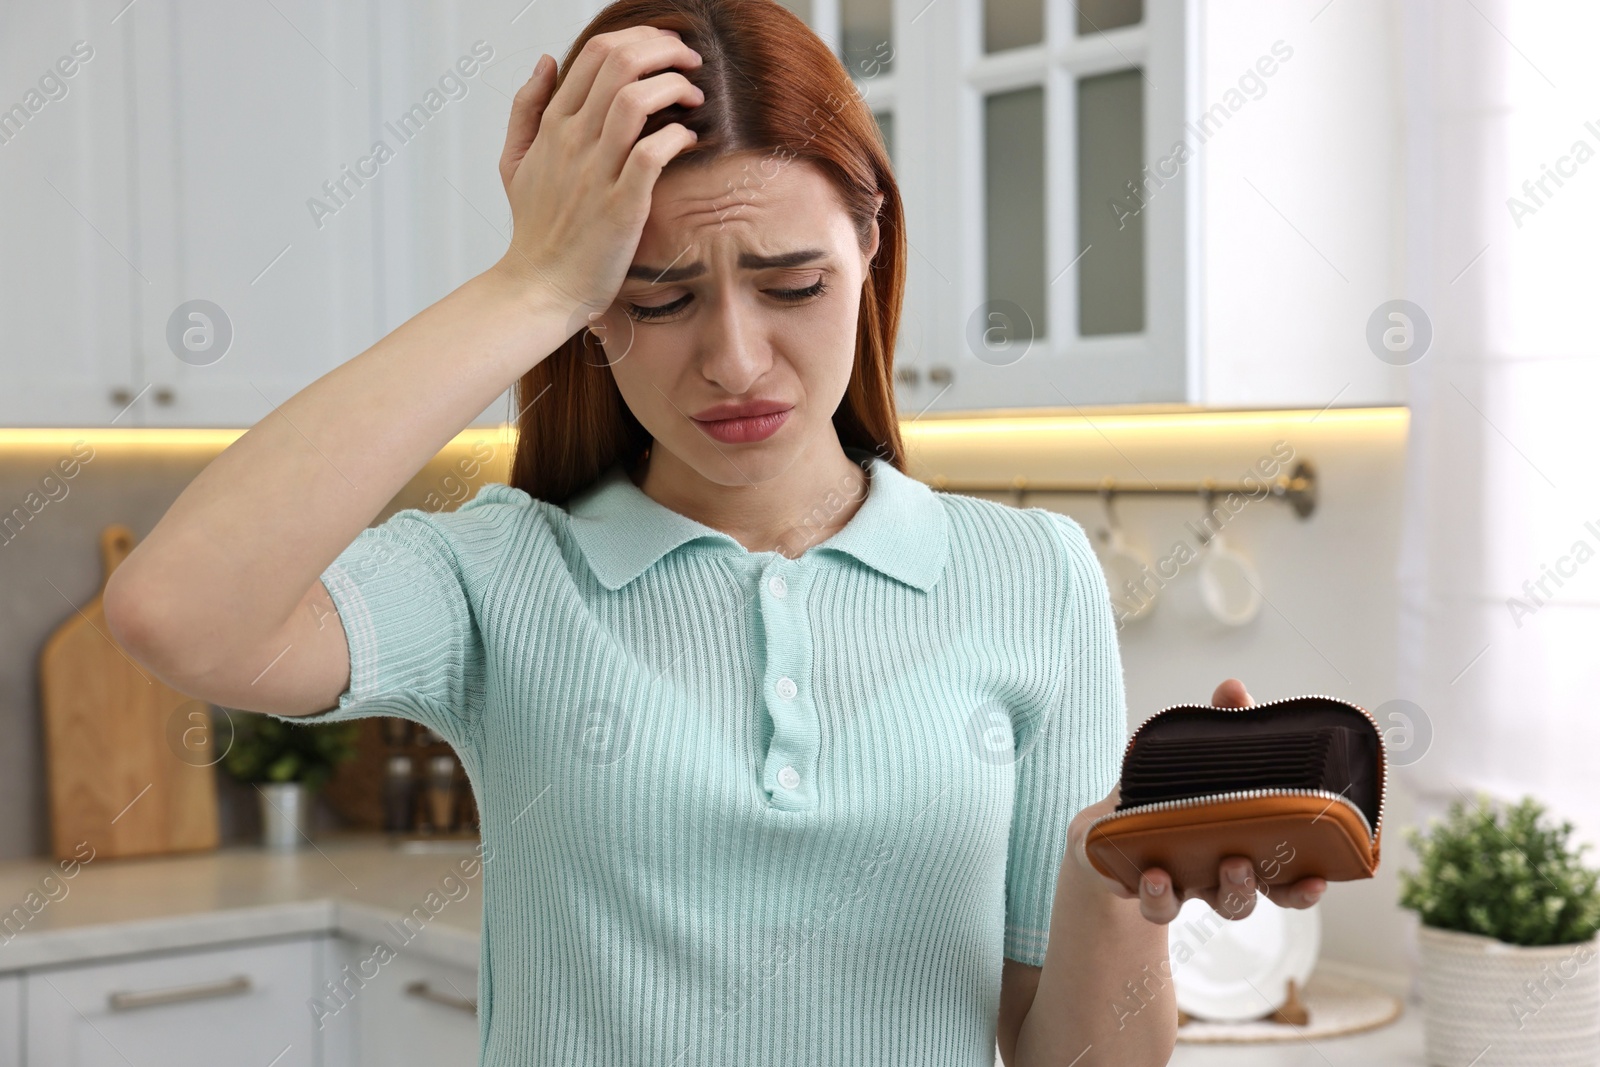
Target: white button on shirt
[786,688]
[788,777]
[777,586]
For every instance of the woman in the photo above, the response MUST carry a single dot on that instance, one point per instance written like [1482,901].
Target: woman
[779,755]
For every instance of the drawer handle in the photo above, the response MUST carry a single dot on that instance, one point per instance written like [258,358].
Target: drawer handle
[449,1000]
[177,994]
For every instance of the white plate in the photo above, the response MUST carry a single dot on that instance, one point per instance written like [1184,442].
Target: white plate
[1232,970]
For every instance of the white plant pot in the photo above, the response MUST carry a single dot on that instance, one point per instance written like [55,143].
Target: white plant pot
[285,814]
[1491,1004]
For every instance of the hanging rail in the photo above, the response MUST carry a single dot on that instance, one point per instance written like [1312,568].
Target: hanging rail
[1298,488]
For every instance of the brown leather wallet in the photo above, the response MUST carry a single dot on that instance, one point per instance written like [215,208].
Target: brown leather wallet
[1297,786]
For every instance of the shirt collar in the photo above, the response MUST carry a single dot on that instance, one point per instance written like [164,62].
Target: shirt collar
[899,530]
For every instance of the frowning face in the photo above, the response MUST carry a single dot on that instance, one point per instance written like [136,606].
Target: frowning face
[744,290]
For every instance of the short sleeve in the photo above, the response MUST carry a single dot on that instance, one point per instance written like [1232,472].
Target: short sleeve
[1073,757]
[409,593]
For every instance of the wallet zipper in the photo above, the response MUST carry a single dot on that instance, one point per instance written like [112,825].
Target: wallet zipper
[1156,805]
[1243,794]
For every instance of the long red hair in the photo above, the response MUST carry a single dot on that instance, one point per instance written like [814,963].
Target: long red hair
[771,85]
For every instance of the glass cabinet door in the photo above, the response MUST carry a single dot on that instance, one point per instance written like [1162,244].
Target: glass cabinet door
[1045,214]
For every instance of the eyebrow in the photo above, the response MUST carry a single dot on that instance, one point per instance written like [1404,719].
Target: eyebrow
[747,260]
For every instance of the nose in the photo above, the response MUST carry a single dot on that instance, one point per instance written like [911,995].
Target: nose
[735,350]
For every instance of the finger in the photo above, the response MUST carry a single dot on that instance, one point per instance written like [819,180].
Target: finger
[1157,901]
[1235,895]
[527,109]
[580,84]
[574,89]
[1231,694]
[634,105]
[630,86]
[1302,894]
[649,157]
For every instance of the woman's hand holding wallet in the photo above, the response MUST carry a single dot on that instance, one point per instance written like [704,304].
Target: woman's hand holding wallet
[1298,783]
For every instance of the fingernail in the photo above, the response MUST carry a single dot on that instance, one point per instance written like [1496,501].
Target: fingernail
[1155,889]
[1238,876]
[538,68]
[1314,896]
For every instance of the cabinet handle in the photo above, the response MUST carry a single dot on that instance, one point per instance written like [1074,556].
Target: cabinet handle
[940,375]
[449,1000]
[908,375]
[119,395]
[164,396]
[239,983]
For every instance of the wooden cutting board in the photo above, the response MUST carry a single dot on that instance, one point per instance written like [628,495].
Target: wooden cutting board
[130,759]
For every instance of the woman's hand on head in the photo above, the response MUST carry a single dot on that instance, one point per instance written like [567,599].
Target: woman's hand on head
[576,172]
[1230,898]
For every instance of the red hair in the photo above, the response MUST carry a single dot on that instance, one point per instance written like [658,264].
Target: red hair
[773,86]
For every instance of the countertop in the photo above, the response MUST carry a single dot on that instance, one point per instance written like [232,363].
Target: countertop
[1399,1044]
[357,884]
[351,884]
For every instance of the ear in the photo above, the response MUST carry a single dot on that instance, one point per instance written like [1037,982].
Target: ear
[873,249]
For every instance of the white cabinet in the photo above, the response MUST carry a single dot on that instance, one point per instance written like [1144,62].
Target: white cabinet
[281,209]
[1179,201]
[10,1021]
[1301,215]
[1017,128]
[417,1011]
[314,1000]
[68,254]
[243,112]
[224,154]
[1192,204]
[240,1004]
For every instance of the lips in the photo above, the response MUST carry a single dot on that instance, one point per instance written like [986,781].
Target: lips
[746,429]
[745,410]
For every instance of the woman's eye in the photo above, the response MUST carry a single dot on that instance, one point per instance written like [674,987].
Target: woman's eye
[661,311]
[816,288]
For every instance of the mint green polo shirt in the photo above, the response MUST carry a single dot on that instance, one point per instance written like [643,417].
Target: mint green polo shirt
[739,808]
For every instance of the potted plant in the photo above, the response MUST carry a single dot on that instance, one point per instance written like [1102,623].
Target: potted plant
[1510,973]
[287,763]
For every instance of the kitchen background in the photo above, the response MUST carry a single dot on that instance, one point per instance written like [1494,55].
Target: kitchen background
[1320,630]
[1344,162]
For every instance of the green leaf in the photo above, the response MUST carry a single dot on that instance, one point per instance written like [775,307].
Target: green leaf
[1503,872]
[265,749]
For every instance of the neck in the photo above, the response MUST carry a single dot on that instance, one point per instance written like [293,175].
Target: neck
[810,501]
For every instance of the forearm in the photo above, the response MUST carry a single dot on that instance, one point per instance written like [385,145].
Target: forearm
[1105,990]
[232,557]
